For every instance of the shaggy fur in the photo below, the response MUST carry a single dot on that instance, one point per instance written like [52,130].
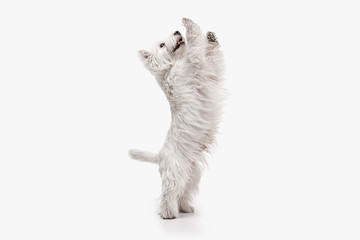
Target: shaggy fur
[190,72]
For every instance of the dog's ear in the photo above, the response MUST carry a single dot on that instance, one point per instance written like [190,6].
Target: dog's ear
[152,63]
[144,55]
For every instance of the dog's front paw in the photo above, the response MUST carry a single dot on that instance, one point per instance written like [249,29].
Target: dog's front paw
[211,37]
[187,22]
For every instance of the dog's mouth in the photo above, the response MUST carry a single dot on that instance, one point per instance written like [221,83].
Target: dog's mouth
[179,43]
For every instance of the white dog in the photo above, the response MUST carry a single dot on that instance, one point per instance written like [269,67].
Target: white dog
[190,72]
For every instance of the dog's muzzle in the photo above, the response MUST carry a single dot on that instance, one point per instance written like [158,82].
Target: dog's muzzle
[179,42]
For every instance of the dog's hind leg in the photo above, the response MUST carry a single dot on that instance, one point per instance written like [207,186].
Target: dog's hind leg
[191,189]
[168,206]
[173,184]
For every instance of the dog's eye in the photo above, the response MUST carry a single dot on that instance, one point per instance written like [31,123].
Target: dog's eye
[162,45]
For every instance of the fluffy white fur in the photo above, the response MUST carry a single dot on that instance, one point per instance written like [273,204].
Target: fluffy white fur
[190,72]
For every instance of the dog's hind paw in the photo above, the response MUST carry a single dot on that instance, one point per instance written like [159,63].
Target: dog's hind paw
[167,215]
[186,209]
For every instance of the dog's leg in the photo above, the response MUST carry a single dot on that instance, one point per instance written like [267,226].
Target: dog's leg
[212,48]
[195,42]
[212,39]
[173,183]
[193,31]
[168,206]
[191,189]
[214,56]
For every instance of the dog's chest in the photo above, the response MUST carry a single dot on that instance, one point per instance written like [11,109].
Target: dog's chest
[172,84]
[168,86]
[174,89]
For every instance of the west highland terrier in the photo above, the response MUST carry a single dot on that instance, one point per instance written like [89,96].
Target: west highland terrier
[190,72]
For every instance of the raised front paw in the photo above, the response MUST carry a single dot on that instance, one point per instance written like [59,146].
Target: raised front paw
[211,37]
[187,22]
[192,29]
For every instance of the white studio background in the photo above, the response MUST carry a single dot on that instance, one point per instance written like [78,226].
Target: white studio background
[74,98]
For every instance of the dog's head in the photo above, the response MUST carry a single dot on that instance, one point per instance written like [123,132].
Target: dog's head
[163,54]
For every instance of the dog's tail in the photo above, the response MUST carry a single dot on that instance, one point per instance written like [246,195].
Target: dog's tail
[143,156]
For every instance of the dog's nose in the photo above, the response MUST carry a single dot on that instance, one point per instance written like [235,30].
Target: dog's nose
[177,33]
